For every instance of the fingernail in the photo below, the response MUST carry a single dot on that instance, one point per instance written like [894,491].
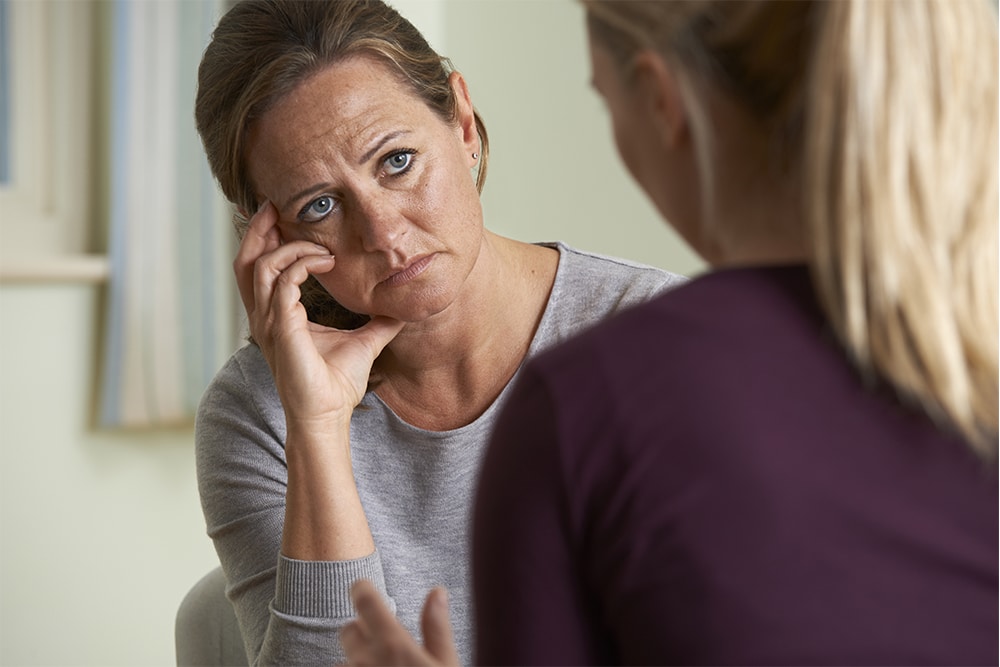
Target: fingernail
[441,600]
[261,207]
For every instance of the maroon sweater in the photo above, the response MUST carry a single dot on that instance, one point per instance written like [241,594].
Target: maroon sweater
[704,479]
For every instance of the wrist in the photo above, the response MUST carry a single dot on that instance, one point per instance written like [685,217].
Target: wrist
[318,429]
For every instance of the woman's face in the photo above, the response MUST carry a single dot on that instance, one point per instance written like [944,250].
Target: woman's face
[354,161]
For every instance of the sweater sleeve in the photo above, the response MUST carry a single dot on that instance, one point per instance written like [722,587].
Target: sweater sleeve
[290,612]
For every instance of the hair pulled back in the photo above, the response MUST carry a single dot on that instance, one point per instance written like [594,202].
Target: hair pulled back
[887,112]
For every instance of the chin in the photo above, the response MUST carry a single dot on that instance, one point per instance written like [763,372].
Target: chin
[417,309]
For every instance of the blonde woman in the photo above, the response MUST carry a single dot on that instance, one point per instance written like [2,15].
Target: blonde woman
[792,459]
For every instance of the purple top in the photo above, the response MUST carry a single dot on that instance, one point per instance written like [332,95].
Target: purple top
[704,479]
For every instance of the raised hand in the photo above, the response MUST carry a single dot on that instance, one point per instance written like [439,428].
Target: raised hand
[321,373]
[376,637]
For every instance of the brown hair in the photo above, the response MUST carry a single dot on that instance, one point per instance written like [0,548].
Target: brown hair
[889,112]
[262,50]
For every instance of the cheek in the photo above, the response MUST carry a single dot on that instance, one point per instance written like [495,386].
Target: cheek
[623,131]
[627,150]
[344,283]
[320,234]
[447,199]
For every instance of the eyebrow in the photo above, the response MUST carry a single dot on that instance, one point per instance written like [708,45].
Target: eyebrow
[378,146]
[364,158]
[319,187]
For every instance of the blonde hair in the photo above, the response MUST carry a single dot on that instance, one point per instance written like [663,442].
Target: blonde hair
[888,110]
[262,50]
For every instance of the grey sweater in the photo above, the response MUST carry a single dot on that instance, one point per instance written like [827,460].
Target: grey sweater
[416,487]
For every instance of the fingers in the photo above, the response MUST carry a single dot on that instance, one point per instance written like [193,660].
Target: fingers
[261,238]
[379,331]
[372,610]
[435,624]
[355,637]
[268,273]
[354,641]
[376,637]
[278,276]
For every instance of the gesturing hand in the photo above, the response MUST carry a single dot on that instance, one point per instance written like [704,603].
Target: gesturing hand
[376,637]
[321,373]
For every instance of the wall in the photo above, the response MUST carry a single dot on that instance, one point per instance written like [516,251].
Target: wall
[554,172]
[101,533]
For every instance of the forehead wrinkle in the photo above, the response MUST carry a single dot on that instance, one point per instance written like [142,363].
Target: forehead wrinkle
[309,161]
[313,166]
[368,134]
[323,127]
[344,142]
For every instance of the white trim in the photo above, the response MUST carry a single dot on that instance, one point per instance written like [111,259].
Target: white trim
[69,268]
[48,205]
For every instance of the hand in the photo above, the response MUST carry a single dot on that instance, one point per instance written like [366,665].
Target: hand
[321,373]
[377,637]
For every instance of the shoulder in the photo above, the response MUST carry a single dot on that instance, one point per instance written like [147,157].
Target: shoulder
[727,340]
[733,302]
[241,395]
[717,320]
[582,271]
[589,287]
[245,372]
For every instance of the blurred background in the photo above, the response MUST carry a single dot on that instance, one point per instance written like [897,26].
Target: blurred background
[117,304]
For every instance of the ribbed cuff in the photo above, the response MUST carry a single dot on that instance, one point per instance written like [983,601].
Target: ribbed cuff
[322,589]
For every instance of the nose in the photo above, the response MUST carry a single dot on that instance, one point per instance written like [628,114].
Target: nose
[379,222]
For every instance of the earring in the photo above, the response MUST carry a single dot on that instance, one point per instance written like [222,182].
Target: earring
[475,156]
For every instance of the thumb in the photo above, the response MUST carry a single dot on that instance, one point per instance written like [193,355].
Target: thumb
[379,331]
[435,625]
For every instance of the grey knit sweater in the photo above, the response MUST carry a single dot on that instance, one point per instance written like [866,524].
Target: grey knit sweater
[416,487]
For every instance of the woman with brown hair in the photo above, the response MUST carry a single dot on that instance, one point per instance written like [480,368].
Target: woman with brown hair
[387,321]
[792,459]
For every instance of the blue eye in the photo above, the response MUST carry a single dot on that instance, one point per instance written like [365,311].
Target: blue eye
[398,163]
[318,209]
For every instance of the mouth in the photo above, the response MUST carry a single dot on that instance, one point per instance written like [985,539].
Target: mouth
[409,272]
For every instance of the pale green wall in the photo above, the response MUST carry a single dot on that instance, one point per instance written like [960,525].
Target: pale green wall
[101,534]
[554,172]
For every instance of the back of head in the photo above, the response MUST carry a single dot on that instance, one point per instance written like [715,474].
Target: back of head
[261,50]
[887,112]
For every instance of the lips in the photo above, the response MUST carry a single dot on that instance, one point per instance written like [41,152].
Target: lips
[408,273]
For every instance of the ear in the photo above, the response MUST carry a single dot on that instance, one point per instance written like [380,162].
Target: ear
[465,116]
[659,91]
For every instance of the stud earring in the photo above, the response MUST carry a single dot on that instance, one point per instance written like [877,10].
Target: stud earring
[475,156]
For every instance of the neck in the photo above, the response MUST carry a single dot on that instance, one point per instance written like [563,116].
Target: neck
[753,215]
[444,372]
[749,235]
[748,220]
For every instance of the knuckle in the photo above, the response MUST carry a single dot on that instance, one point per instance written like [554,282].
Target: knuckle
[286,279]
